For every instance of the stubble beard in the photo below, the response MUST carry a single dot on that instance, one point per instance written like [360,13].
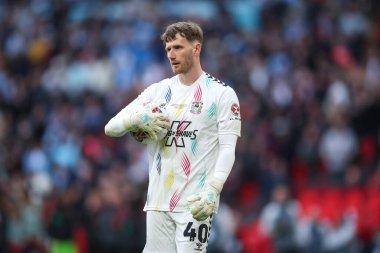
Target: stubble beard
[184,67]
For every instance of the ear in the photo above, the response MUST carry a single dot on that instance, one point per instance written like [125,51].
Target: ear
[197,48]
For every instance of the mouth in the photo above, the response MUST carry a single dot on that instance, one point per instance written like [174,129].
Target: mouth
[174,64]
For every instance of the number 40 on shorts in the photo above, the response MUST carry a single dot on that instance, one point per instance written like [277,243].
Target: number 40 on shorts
[202,233]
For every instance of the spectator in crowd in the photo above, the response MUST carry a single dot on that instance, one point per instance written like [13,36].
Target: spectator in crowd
[278,220]
[338,146]
[316,234]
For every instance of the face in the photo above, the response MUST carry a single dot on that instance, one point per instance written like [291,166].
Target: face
[181,54]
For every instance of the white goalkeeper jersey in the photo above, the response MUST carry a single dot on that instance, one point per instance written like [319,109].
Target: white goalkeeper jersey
[183,162]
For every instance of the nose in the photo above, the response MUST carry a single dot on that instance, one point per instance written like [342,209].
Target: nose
[171,55]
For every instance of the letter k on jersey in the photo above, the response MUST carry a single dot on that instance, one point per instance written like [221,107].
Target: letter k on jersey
[178,132]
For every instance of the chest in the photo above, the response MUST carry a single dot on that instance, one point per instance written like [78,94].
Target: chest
[196,105]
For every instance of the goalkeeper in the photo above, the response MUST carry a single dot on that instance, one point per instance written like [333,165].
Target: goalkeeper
[191,123]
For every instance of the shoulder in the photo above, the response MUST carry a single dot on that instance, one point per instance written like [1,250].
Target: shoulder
[163,82]
[217,84]
[211,78]
[160,90]
[161,85]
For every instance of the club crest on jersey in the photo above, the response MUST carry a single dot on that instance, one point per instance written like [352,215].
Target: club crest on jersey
[235,109]
[196,107]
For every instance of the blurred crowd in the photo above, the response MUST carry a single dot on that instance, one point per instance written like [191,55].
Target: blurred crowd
[307,72]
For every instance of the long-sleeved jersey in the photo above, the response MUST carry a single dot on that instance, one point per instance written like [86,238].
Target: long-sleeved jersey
[182,163]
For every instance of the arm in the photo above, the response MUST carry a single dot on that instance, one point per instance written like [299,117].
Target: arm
[115,127]
[226,157]
[229,125]
[133,118]
[139,115]
[204,203]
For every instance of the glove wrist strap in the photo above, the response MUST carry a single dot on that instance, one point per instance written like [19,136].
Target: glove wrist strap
[216,184]
[128,123]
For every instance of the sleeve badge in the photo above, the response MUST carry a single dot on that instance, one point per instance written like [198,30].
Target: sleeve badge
[235,109]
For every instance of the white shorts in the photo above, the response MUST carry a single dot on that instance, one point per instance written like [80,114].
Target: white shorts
[176,233]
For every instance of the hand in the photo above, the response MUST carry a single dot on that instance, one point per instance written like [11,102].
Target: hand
[204,203]
[152,123]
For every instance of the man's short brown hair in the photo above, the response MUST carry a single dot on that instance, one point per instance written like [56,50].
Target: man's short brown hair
[187,29]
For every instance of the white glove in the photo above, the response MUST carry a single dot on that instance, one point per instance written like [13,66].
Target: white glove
[204,203]
[153,124]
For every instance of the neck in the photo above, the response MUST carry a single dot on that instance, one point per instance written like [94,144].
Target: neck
[190,77]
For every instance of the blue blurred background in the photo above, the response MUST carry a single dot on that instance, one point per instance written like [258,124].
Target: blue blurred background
[307,172]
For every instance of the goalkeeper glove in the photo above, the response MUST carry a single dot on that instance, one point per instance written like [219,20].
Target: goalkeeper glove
[204,203]
[144,119]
